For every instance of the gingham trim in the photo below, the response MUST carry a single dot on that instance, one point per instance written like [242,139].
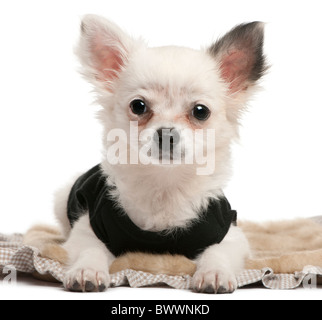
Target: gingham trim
[136,279]
[26,259]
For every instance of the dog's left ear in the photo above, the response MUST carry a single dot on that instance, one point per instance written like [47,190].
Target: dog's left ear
[240,56]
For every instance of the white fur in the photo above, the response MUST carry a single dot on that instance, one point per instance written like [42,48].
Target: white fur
[158,198]
[60,209]
[89,259]
[218,265]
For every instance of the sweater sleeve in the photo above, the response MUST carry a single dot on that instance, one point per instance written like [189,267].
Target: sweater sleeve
[82,196]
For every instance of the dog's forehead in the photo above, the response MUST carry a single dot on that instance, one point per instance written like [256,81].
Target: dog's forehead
[172,71]
[176,62]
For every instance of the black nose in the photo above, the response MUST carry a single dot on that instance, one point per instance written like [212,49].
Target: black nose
[168,136]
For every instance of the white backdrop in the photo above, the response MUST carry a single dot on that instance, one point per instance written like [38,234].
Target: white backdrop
[48,130]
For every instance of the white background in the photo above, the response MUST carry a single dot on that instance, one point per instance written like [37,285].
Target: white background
[48,130]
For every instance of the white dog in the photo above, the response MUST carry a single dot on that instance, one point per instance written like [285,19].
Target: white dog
[156,207]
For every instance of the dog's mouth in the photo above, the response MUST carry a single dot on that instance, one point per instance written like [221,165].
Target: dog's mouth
[166,157]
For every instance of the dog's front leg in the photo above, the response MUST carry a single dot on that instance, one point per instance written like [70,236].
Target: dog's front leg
[88,259]
[219,265]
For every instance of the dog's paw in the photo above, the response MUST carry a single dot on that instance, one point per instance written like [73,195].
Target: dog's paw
[215,282]
[86,280]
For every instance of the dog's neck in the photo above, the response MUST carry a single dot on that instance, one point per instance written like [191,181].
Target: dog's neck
[159,198]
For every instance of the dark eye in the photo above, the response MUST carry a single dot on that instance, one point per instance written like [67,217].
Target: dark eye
[201,112]
[138,107]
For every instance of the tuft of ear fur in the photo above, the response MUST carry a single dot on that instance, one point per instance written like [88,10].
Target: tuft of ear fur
[103,50]
[240,56]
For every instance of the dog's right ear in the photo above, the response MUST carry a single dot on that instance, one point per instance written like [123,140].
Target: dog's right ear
[103,50]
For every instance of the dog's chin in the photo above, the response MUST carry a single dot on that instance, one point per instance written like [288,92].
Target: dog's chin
[168,159]
[171,168]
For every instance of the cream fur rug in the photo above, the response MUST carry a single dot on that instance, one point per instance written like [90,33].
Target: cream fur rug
[283,246]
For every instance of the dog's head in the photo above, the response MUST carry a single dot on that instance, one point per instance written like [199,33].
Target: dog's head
[170,93]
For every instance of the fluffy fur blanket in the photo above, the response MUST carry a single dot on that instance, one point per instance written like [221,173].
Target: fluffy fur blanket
[285,246]
[283,255]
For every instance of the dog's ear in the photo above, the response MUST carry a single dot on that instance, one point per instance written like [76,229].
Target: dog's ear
[240,56]
[103,50]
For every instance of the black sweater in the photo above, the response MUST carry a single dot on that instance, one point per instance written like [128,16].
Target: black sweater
[113,227]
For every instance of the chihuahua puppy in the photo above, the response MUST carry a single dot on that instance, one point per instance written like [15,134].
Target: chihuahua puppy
[157,101]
